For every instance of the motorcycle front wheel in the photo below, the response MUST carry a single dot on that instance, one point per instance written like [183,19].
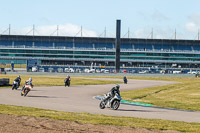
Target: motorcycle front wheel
[26,92]
[102,105]
[115,104]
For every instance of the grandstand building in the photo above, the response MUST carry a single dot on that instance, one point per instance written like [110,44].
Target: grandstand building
[84,51]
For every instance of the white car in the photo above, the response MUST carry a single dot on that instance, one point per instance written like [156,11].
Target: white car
[192,72]
[176,72]
[69,70]
[106,71]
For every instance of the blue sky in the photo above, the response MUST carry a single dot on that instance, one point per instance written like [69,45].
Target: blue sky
[140,16]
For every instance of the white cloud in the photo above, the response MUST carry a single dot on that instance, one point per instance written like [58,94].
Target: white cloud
[194,23]
[191,27]
[140,33]
[159,37]
[51,30]
[158,33]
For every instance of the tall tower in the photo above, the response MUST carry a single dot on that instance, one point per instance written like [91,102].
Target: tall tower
[117,46]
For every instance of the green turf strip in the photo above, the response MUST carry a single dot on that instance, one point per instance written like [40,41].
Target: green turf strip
[135,103]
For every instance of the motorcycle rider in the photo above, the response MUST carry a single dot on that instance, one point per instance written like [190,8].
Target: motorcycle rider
[67,81]
[112,92]
[18,80]
[125,80]
[29,82]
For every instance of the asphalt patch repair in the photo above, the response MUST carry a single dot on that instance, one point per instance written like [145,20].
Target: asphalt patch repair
[24,124]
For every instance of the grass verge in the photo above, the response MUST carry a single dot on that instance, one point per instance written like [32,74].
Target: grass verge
[39,80]
[101,119]
[184,95]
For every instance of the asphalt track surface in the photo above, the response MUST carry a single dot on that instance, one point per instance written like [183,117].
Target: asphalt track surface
[80,99]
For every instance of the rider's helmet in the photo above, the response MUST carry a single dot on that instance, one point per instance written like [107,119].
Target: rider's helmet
[18,76]
[117,87]
[30,79]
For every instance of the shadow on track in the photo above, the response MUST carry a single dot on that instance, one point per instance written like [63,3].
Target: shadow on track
[44,96]
[41,96]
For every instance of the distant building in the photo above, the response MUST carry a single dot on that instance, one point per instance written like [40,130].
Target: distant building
[82,51]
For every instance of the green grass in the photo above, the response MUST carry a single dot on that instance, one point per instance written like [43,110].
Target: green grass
[57,80]
[101,119]
[184,95]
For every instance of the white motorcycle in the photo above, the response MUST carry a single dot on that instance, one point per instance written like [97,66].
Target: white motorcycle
[113,103]
[15,85]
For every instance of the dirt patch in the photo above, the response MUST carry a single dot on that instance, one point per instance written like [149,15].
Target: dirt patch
[23,124]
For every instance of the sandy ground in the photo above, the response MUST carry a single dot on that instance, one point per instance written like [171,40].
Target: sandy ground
[22,124]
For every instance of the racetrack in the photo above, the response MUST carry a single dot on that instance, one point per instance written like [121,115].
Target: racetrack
[80,99]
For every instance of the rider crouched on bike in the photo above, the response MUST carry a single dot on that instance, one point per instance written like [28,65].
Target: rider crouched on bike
[28,82]
[18,80]
[67,81]
[112,92]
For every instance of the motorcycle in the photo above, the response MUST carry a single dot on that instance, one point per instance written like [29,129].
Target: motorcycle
[125,80]
[15,85]
[26,89]
[113,103]
[67,83]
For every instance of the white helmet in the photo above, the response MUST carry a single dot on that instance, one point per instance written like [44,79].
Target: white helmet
[30,79]
[117,86]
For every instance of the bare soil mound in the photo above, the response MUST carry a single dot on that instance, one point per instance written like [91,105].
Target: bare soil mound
[23,124]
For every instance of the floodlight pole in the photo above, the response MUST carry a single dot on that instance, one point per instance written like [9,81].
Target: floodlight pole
[105,32]
[117,46]
[175,34]
[128,32]
[33,30]
[9,28]
[57,29]
[81,32]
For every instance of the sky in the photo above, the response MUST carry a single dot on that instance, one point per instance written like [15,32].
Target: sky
[97,18]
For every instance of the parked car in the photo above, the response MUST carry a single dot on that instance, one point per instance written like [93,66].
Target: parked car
[60,70]
[145,71]
[41,69]
[192,72]
[69,70]
[176,72]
